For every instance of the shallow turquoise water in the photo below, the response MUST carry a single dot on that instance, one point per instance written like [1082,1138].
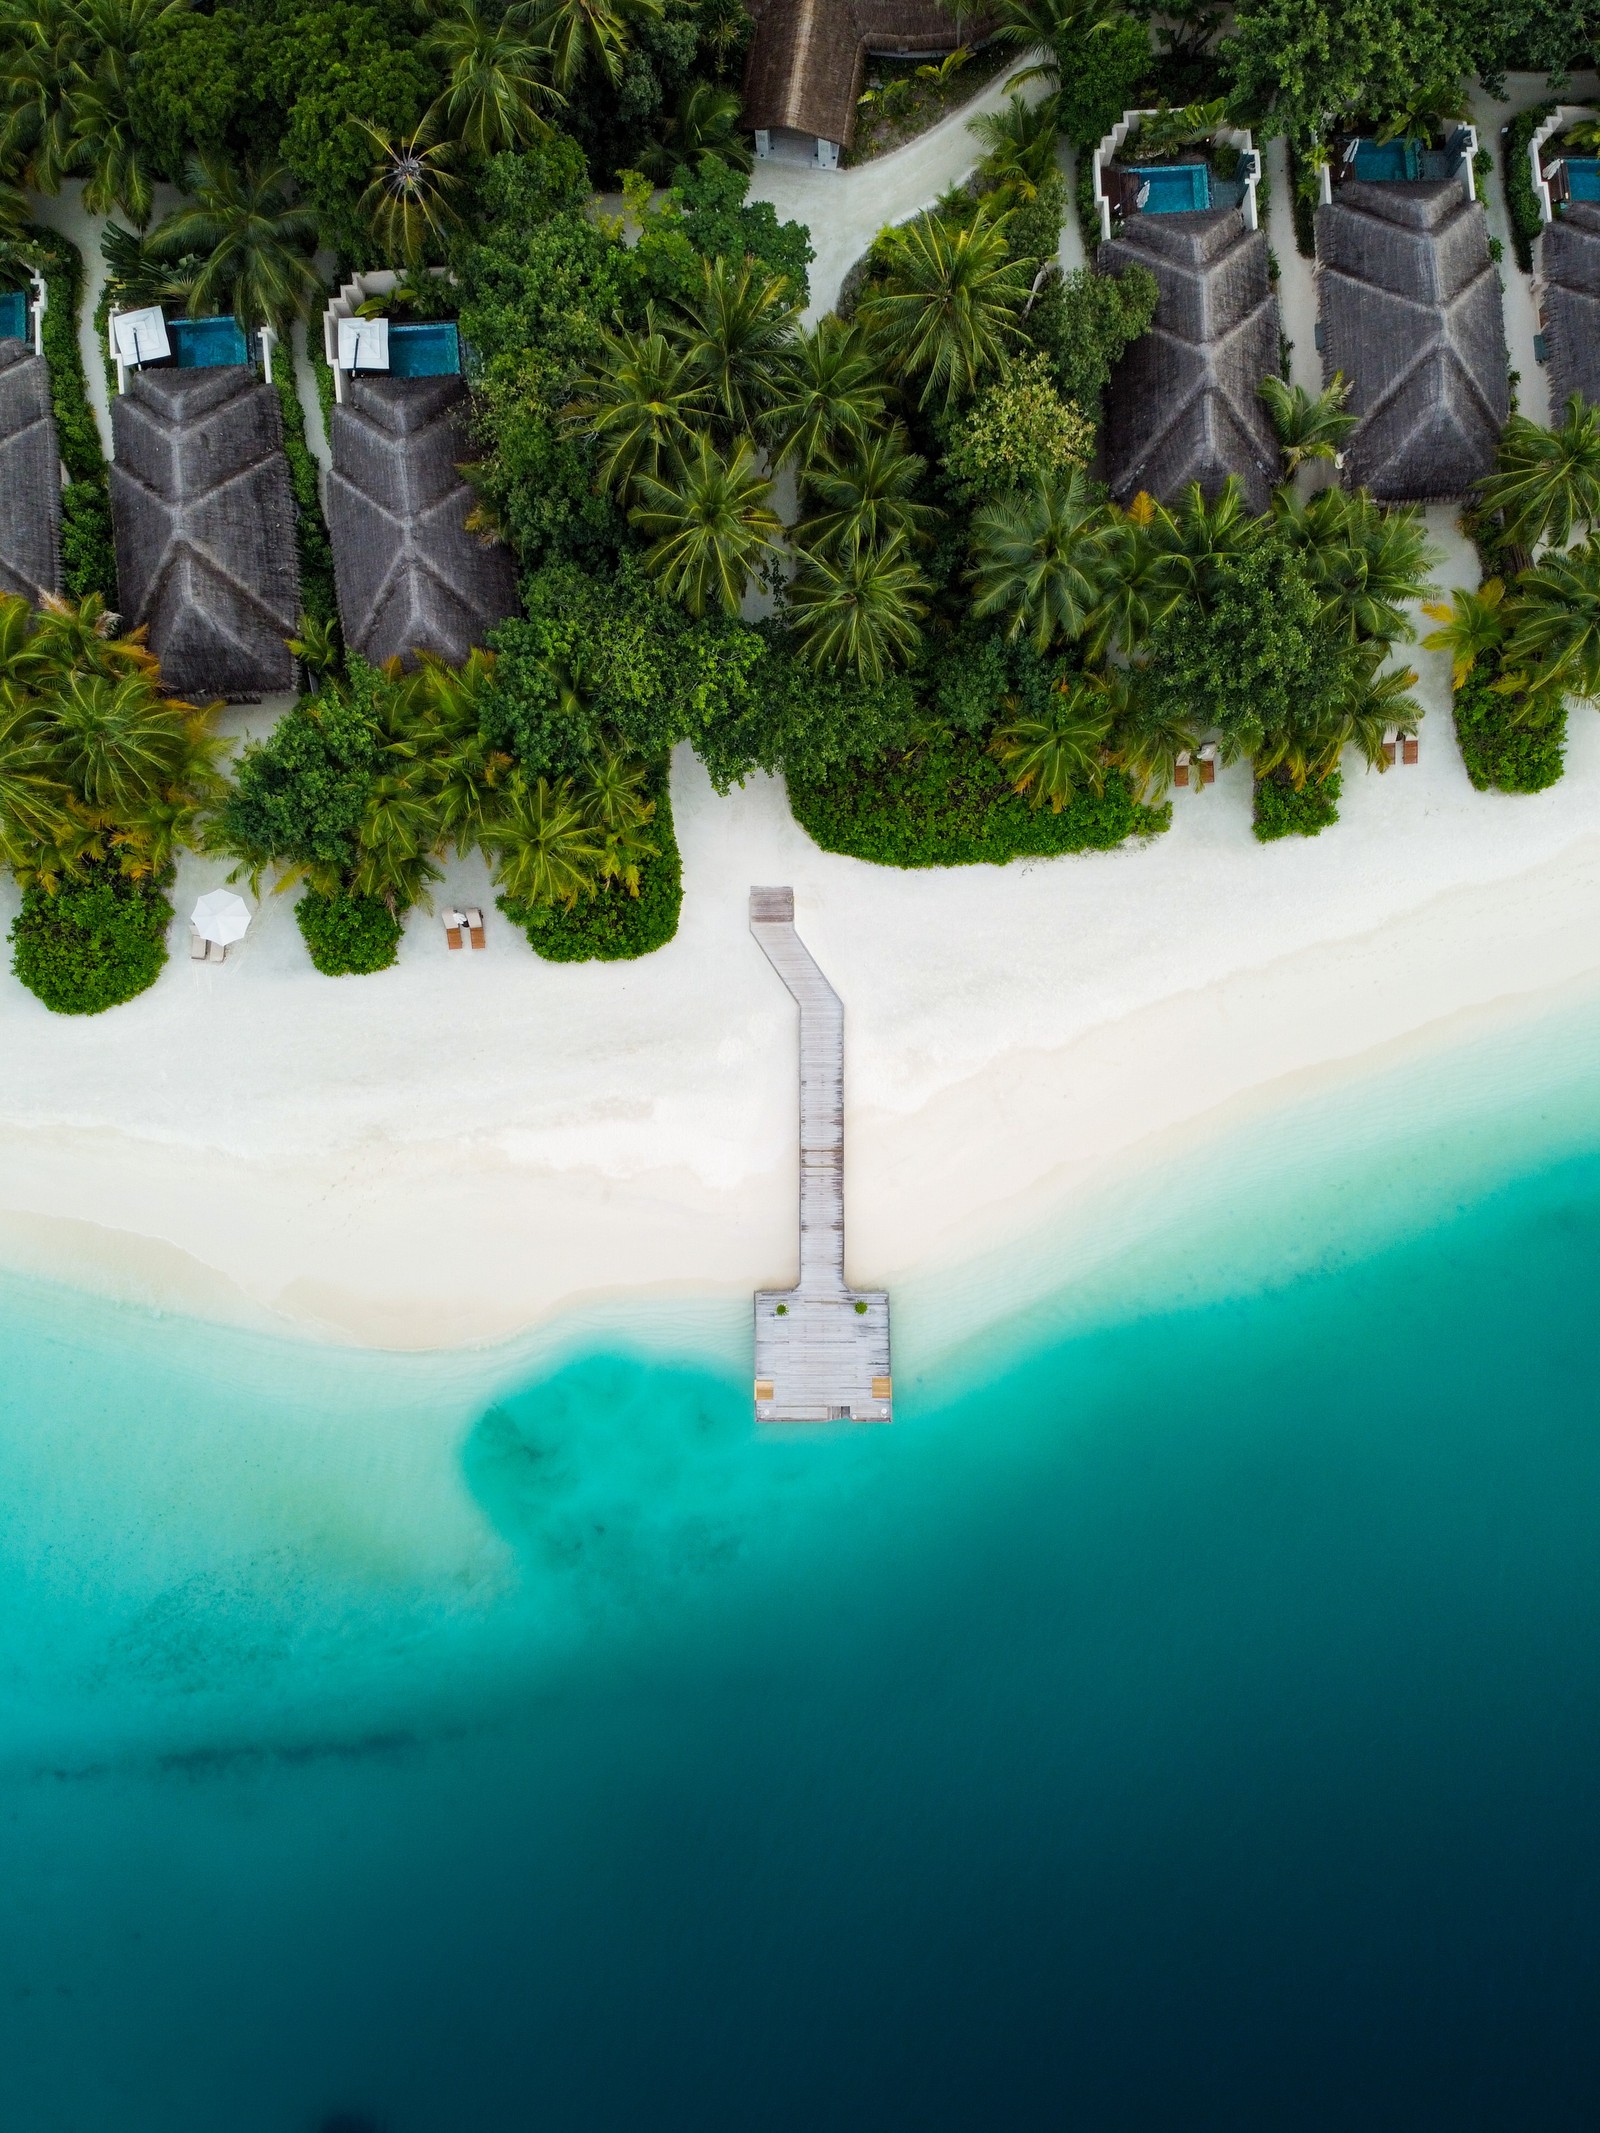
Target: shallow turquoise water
[1184,1716]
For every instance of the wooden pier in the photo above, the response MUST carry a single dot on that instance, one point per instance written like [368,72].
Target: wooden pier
[822,1348]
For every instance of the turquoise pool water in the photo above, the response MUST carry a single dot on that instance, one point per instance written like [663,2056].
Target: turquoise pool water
[1184,1716]
[205,343]
[424,349]
[1175,188]
[1583,177]
[1389,161]
[13,315]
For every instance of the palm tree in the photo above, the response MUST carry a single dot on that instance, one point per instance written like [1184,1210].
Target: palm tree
[592,35]
[41,64]
[497,78]
[399,833]
[1193,544]
[1136,591]
[949,305]
[1041,559]
[1054,26]
[615,806]
[644,401]
[705,127]
[1366,562]
[1147,740]
[1473,624]
[37,811]
[1019,142]
[739,330]
[858,612]
[1056,754]
[409,198]
[121,744]
[545,848]
[1309,426]
[866,498]
[1546,483]
[254,239]
[1554,617]
[710,529]
[108,149]
[830,392]
[1417,116]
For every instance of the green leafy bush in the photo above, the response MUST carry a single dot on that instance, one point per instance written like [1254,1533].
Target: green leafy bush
[88,546]
[1280,811]
[1522,202]
[1084,321]
[317,596]
[299,796]
[1508,743]
[611,926]
[96,941]
[949,803]
[1099,73]
[88,553]
[348,936]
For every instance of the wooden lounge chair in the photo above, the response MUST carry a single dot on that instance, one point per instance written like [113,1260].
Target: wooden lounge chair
[454,923]
[475,927]
[1208,763]
[198,944]
[1391,735]
[1408,748]
[1180,774]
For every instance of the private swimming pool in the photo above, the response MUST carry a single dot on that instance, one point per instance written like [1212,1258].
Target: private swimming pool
[13,315]
[428,348]
[1172,188]
[1583,178]
[1388,162]
[206,343]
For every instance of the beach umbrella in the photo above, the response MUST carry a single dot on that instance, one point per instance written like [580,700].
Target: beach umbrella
[222,916]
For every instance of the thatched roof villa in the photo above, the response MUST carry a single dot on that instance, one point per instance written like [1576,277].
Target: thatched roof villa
[807,61]
[1569,283]
[1185,403]
[410,576]
[30,475]
[1410,313]
[205,528]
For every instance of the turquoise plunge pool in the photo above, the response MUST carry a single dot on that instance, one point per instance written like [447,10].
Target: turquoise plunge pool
[428,348]
[205,343]
[1583,178]
[13,315]
[1173,188]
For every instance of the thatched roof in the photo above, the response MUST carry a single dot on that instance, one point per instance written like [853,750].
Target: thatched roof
[1185,403]
[1411,315]
[1569,261]
[411,578]
[30,476]
[804,68]
[205,528]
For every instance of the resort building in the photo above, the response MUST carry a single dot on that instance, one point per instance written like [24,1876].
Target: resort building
[30,458]
[1410,314]
[201,507]
[411,577]
[807,61]
[1568,291]
[1184,403]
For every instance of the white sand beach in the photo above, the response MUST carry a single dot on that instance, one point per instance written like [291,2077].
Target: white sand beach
[450,1151]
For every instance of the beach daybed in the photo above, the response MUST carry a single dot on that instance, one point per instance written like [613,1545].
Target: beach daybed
[1410,313]
[1569,312]
[1185,403]
[410,576]
[205,528]
[30,475]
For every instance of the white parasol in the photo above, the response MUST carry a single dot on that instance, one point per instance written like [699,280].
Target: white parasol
[222,916]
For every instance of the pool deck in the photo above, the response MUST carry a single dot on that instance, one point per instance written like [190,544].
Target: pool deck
[821,1348]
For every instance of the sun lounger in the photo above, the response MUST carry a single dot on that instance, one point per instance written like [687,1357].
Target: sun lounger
[1208,763]
[475,927]
[454,924]
[216,952]
[198,944]
[1408,748]
[1180,774]
[1391,735]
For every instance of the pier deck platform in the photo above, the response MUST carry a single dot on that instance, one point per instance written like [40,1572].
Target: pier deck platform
[821,1348]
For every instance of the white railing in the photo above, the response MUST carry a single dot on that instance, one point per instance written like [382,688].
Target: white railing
[1560,119]
[1236,136]
[1465,134]
[382,281]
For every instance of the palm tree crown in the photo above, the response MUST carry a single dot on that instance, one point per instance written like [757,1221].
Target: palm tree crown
[497,78]
[948,307]
[710,529]
[254,238]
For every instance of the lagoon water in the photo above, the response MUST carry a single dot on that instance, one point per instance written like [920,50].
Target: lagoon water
[1184,1716]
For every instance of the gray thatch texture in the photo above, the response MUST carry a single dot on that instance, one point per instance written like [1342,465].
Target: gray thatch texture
[30,477]
[805,64]
[411,578]
[1411,314]
[1185,401]
[1569,262]
[205,528]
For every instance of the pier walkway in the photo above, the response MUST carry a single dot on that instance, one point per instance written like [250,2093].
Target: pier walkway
[822,1348]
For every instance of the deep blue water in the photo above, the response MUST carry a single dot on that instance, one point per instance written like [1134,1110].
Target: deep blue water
[1185,1722]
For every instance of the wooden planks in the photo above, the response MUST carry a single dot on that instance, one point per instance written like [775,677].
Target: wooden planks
[822,1348]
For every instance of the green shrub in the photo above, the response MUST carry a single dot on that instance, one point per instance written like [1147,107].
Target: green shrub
[94,943]
[950,804]
[88,549]
[1522,202]
[1099,73]
[348,936]
[1303,189]
[1282,812]
[1509,743]
[317,597]
[612,926]
[88,555]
